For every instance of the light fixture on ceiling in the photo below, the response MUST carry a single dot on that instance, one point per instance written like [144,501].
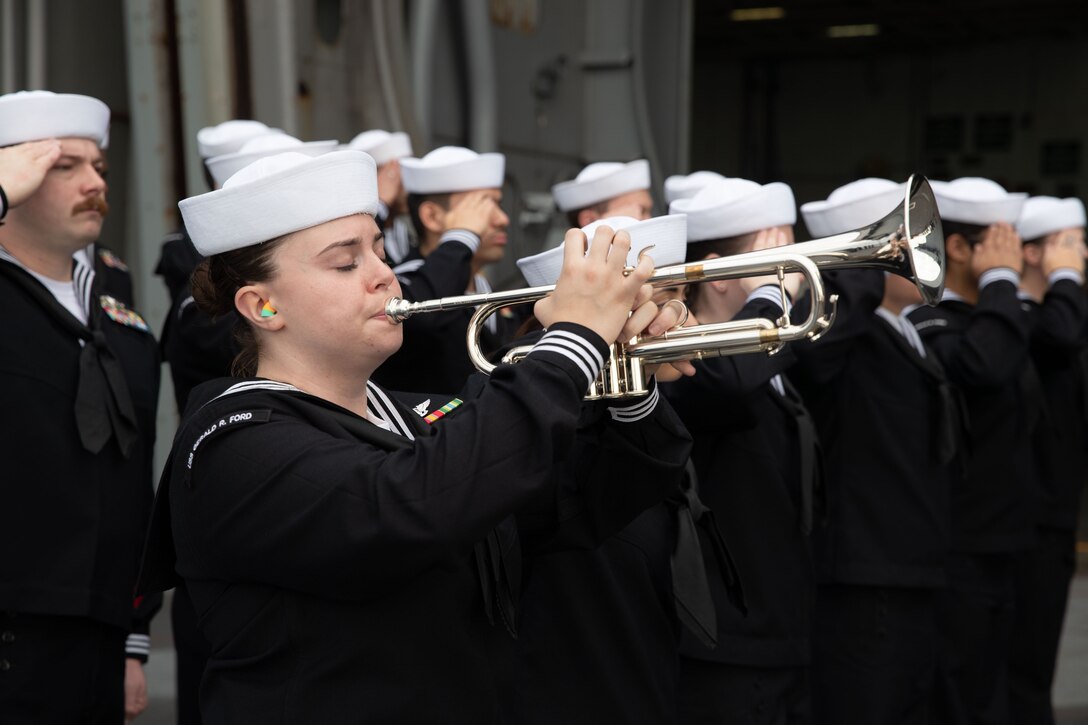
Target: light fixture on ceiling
[864,30]
[741,15]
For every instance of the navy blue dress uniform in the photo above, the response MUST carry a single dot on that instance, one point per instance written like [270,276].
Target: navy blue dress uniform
[756,460]
[889,427]
[81,401]
[983,348]
[888,424]
[1044,571]
[599,628]
[374,559]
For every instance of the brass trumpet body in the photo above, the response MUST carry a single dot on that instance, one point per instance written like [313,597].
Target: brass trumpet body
[908,242]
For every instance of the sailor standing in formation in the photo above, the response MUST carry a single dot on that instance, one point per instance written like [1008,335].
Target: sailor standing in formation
[873,527]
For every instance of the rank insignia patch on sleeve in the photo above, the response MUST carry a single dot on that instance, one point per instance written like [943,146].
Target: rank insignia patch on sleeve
[116,311]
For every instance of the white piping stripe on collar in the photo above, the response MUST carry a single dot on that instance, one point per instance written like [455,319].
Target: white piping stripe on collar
[904,327]
[380,403]
[83,278]
[388,411]
[256,385]
[82,274]
[778,385]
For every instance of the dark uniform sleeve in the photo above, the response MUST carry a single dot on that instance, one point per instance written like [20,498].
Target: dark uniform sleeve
[990,351]
[860,292]
[445,272]
[283,503]
[1060,319]
[197,347]
[720,385]
[624,460]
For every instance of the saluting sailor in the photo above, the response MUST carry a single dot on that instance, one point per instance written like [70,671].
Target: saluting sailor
[980,334]
[1052,289]
[756,461]
[889,429]
[606,189]
[79,378]
[454,199]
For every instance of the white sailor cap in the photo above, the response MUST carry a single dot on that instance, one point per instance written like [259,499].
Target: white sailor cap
[853,206]
[228,137]
[268,144]
[664,238]
[600,182]
[1042,215]
[382,145]
[278,195]
[450,169]
[732,207]
[685,187]
[973,200]
[36,115]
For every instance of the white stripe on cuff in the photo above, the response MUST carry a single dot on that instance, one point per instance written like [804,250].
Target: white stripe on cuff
[998,274]
[383,210]
[574,348]
[138,644]
[769,293]
[464,236]
[638,411]
[595,357]
[1065,273]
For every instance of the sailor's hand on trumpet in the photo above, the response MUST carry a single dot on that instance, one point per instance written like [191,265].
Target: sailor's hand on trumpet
[670,313]
[593,289]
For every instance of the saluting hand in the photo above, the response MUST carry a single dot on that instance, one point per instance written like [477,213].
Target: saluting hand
[1000,246]
[23,168]
[592,289]
[769,239]
[472,212]
[1064,250]
[389,182]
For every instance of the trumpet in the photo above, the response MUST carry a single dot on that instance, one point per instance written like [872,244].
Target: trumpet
[908,242]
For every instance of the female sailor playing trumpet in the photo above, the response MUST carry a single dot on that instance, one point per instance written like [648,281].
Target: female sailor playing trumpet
[344,554]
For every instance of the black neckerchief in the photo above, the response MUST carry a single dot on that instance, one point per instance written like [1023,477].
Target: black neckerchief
[811,454]
[951,423]
[690,585]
